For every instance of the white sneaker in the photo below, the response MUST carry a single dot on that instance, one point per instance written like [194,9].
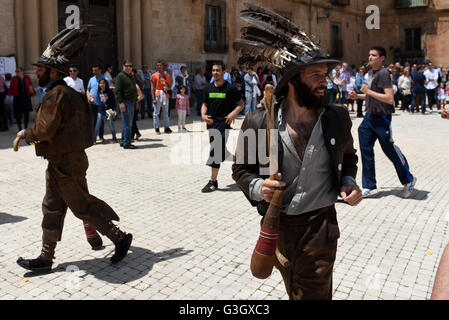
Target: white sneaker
[408,188]
[369,192]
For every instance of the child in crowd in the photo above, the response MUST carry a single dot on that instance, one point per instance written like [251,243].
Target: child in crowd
[442,95]
[182,108]
[107,108]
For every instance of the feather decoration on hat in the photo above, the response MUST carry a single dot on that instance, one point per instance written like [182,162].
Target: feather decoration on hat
[271,38]
[65,46]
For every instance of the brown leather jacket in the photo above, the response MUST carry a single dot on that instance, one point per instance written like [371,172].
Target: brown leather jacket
[64,122]
[338,139]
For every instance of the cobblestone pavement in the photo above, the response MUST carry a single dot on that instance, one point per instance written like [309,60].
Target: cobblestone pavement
[190,245]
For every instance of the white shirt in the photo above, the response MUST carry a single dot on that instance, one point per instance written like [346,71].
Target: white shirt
[430,85]
[108,76]
[351,84]
[77,85]
[405,83]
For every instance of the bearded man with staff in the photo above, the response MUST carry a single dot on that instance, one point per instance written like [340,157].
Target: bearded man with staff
[312,158]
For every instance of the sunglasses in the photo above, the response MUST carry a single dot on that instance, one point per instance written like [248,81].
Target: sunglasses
[72,71]
[128,66]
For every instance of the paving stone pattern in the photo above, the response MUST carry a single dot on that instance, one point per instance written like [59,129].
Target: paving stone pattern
[189,245]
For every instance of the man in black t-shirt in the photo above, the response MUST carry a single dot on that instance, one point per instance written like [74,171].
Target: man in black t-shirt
[222,103]
[379,96]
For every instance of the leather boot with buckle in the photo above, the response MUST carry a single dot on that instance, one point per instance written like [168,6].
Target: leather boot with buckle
[43,263]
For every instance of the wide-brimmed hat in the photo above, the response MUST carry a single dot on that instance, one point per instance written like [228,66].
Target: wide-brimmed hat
[63,48]
[275,40]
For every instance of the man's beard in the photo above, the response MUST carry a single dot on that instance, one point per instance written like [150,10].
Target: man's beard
[44,80]
[306,98]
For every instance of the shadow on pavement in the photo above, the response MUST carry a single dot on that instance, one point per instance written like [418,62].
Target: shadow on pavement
[6,218]
[121,273]
[230,188]
[416,195]
[150,146]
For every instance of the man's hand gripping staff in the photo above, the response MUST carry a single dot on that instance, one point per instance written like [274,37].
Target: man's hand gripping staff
[264,255]
[20,136]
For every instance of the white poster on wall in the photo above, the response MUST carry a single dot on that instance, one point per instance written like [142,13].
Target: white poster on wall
[7,65]
[175,70]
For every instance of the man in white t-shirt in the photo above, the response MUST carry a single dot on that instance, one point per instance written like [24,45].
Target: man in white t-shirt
[431,85]
[73,81]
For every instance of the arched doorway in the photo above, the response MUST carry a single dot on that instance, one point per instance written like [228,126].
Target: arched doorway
[102,47]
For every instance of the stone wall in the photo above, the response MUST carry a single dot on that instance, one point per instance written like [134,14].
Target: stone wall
[173,30]
[7,34]
[178,28]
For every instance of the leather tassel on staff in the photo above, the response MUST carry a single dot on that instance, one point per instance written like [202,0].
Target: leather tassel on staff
[264,255]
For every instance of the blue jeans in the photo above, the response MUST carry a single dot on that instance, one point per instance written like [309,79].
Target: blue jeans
[378,127]
[10,111]
[127,120]
[147,101]
[199,94]
[161,102]
[422,99]
[100,118]
[250,104]
[331,95]
[343,96]
[95,108]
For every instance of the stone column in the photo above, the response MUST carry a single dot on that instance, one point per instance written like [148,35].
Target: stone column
[136,34]
[19,26]
[147,29]
[31,33]
[49,17]
[123,30]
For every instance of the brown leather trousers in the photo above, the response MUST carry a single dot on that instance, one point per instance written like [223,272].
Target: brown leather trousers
[309,242]
[66,187]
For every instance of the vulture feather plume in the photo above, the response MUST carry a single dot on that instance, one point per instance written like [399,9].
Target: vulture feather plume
[65,46]
[271,38]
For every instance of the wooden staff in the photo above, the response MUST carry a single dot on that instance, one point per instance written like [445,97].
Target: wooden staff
[15,144]
[265,253]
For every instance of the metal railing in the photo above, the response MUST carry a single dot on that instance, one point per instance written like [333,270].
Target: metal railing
[411,3]
[216,39]
[340,2]
[337,51]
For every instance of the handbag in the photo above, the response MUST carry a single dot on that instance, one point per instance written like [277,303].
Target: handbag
[406,92]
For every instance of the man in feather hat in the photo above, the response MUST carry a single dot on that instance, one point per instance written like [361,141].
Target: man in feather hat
[61,133]
[316,158]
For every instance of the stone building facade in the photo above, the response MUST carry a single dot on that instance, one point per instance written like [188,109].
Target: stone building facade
[198,32]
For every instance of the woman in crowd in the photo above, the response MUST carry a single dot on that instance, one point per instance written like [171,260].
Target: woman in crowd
[442,96]
[359,81]
[9,104]
[405,88]
[107,108]
[21,89]
[135,133]
[349,87]
[335,77]
[3,113]
[260,76]
[270,78]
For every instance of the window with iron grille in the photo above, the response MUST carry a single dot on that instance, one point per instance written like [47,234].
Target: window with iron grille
[341,2]
[215,36]
[336,50]
[99,3]
[411,3]
[413,39]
